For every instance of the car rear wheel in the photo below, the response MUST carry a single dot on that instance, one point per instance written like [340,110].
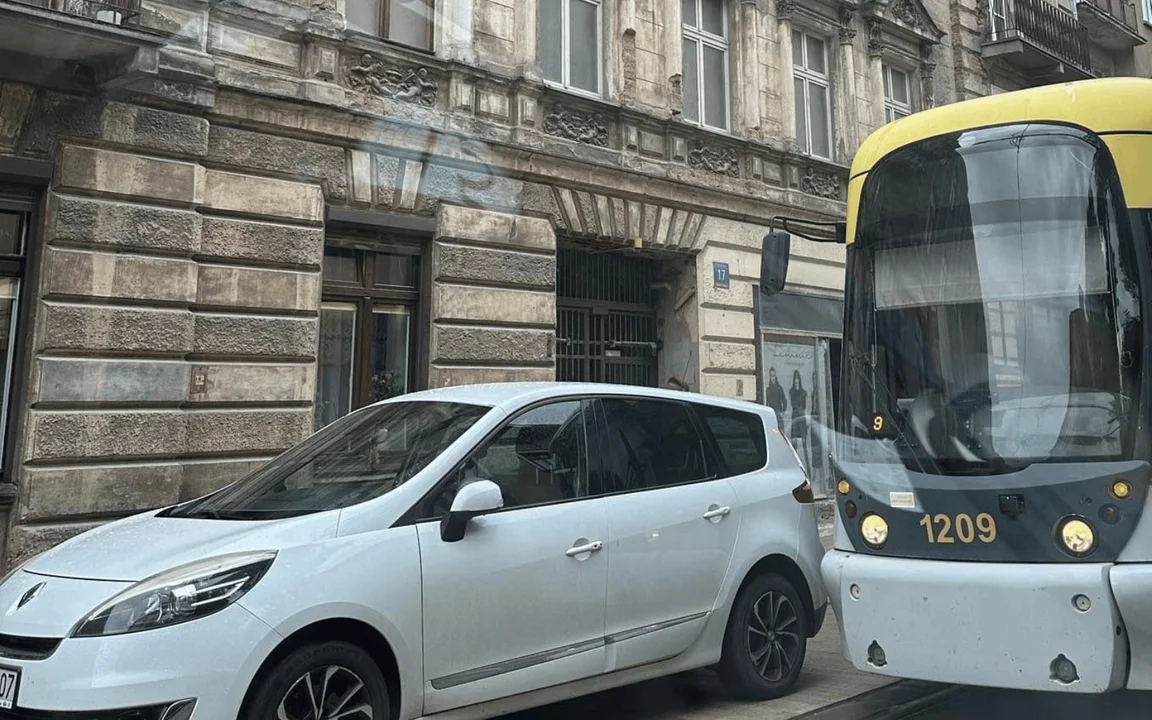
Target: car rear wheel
[765,641]
[324,681]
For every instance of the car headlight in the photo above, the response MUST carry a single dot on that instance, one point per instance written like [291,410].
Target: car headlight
[874,529]
[1077,536]
[178,595]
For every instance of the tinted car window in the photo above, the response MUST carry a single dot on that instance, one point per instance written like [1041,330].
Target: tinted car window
[539,457]
[650,443]
[739,436]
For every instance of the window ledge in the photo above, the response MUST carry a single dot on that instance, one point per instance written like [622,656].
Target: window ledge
[562,88]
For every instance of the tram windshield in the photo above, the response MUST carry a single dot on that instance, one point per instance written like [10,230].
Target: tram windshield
[993,306]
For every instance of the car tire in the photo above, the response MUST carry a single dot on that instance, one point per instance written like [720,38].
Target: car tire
[765,641]
[342,665]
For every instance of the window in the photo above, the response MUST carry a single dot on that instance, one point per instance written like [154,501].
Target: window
[15,220]
[813,111]
[706,62]
[897,95]
[570,43]
[539,457]
[365,353]
[650,443]
[357,458]
[998,17]
[739,437]
[408,22]
[1147,11]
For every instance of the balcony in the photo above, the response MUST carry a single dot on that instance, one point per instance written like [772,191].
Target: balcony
[1038,39]
[1112,24]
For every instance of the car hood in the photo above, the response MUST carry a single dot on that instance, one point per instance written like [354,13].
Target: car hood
[141,546]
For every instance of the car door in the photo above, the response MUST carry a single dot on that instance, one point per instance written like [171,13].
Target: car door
[672,529]
[518,603]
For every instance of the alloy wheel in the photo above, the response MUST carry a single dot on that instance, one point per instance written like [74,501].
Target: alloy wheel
[773,636]
[327,693]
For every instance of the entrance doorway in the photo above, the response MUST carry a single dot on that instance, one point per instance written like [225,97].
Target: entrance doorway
[606,329]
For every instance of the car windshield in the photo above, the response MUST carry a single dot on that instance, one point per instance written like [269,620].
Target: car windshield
[994,313]
[362,456]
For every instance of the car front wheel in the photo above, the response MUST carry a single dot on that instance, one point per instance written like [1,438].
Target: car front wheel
[324,681]
[765,641]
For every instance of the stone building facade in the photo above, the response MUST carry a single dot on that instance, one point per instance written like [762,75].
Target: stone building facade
[225,222]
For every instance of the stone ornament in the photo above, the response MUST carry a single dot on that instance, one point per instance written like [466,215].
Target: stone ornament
[374,76]
[588,128]
[785,9]
[905,11]
[819,183]
[721,162]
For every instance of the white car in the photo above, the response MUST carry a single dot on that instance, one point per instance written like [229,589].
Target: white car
[466,551]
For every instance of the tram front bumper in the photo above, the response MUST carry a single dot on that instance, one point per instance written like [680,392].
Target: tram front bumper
[1020,626]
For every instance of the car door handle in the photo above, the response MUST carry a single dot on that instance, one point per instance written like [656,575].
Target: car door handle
[717,512]
[584,549]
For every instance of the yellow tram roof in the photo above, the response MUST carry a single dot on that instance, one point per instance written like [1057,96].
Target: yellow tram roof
[1103,105]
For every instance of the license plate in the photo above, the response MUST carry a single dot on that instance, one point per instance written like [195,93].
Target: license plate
[9,682]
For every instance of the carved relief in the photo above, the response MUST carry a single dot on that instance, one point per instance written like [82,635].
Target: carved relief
[785,9]
[906,12]
[875,37]
[721,162]
[928,75]
[582,127]
[372,75]
[628,63]
[847,31]
[821,184]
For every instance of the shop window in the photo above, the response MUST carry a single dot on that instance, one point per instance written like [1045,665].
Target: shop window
[408,22]
[813,106]
[706,83]
[570,43]
[366,351]
[798,385]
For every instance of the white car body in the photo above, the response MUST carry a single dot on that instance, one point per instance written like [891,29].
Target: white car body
[502,620]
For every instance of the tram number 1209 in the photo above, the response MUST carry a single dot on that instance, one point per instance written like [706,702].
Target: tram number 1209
[940,527]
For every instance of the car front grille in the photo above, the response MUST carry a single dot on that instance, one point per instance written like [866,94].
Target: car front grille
[18,647]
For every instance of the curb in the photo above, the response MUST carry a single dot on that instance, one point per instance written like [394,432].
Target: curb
[890,702]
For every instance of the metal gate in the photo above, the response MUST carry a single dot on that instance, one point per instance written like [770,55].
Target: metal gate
[606,318]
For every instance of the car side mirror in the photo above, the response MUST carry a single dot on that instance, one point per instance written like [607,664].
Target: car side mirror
[473,499]
[774,256]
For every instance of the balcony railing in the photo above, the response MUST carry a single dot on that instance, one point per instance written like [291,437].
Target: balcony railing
[1122,11]
[116,12]
[1042,25]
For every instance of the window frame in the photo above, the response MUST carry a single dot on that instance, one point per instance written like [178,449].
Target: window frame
[22,201]
[381,33]
[366,297]
[1146,5]
[700,36]
[892,106]
[564,83]
[812,77]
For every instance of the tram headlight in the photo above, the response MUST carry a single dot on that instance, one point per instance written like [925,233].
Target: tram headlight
[874,529]
[1076,535]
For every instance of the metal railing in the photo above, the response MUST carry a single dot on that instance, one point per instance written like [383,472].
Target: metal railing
[115,12]
[1120,10]
[1045,26]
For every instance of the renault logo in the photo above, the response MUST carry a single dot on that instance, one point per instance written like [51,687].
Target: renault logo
[28,596]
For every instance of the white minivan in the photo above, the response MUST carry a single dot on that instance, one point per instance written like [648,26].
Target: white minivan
[460,553]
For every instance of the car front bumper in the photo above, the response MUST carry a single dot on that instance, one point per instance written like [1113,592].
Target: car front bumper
[211,660]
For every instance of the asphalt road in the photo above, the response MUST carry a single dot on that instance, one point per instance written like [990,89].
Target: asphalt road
[989,704]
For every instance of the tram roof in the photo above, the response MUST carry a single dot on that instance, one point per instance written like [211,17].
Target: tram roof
[1108,105]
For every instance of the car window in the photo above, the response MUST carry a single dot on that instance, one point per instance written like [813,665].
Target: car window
[739,436]
[650,443]
[359,457]
[539,457]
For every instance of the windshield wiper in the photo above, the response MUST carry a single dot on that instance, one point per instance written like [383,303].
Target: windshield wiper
[864,368]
